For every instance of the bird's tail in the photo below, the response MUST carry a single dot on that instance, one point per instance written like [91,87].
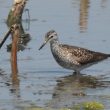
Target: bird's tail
[108,55]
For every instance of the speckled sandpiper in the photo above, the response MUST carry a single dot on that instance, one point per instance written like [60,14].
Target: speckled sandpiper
[72,57]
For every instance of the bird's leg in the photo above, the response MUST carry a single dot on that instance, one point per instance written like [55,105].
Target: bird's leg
[76,74]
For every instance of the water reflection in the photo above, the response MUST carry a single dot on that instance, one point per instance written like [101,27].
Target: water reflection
[84,6]
[14,18]
[27,19]
[1,71]
[73,89]
[104,3]
[23,40]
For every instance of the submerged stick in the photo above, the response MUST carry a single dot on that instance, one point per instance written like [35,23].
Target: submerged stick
[15,35]
[5,38]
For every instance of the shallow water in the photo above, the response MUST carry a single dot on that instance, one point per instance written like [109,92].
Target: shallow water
[84,23]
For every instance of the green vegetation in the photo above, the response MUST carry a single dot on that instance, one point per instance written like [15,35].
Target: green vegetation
[93,106]
[89,106]
[83,106]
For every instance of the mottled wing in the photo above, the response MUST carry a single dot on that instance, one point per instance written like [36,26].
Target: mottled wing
[83,56]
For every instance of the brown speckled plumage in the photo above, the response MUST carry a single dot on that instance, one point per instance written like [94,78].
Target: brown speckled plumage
[72,57]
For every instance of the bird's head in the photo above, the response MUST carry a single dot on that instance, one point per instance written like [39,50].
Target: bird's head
[49,36]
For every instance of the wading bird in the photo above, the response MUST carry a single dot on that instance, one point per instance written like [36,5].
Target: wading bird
[72,57]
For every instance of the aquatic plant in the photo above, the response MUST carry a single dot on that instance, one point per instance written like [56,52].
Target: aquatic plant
[93,105]
[89,106]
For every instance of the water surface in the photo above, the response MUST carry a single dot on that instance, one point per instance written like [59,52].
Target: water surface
[84,23]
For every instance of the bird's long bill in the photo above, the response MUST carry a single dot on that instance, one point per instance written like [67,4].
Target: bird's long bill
[42,45]
[45,42]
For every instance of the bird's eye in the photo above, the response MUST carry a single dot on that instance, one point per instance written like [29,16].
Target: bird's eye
[51,36]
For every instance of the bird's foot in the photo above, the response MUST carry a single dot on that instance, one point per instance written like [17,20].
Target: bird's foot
[76,75]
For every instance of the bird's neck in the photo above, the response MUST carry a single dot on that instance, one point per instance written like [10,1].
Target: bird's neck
[54,43]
